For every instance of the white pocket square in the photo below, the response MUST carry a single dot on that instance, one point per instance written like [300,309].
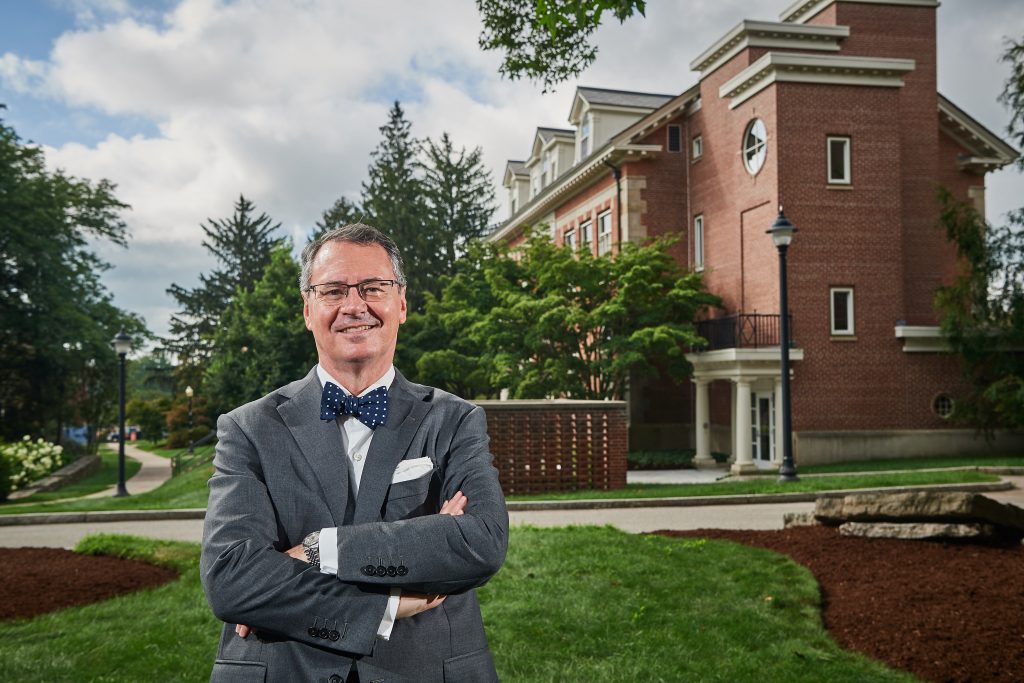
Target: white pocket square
[412,469]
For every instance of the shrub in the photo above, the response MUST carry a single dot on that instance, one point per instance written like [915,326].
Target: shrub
[31,460]
[660,460]
[179,438]
[5,478]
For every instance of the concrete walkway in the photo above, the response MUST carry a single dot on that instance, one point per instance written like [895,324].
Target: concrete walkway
[154,472]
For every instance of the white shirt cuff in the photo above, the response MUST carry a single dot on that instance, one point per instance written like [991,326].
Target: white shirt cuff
[329,550]
[390,614]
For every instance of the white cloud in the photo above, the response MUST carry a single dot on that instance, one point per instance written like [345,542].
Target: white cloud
[282,100]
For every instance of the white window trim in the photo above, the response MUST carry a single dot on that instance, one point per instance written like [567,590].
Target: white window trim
[698,242]
[569,239]
[847,178]
[601,249]
[759,151]
[849,311]
[697,147]
[584,227]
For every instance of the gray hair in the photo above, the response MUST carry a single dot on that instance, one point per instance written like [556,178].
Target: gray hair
[357,233]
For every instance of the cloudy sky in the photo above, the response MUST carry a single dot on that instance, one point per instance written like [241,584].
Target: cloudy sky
[187,103]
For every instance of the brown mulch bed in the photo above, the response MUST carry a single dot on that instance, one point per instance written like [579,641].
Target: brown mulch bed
[942,611]
[38,580]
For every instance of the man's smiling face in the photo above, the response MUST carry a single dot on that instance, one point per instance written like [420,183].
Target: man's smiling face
[355,340]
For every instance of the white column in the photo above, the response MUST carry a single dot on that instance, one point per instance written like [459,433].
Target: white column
[778,422]
[744,456]
[703,459]
[732,421]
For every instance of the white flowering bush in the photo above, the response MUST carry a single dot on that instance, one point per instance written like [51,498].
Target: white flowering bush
[30,460]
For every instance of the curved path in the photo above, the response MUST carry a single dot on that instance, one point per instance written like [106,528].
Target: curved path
[155,471]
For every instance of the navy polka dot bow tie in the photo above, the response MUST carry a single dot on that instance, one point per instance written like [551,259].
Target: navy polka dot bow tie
[371,409]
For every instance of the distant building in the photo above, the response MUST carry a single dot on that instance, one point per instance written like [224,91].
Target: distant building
[833,113]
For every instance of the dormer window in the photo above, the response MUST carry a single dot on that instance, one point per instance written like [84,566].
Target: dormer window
[585,137]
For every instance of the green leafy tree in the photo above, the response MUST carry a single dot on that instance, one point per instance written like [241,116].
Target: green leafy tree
[460,199]
[242,246]
[547,40]
[56,317]
[150,414]
[262,342]
[983,308]
[548,322]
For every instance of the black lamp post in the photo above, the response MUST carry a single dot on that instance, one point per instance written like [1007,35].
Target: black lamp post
[122,344]
[189,392]
[782,234]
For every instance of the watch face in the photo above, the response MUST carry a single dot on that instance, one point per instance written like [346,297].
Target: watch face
[312,540]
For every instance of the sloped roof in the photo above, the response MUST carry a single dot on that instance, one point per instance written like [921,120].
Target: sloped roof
[622,98]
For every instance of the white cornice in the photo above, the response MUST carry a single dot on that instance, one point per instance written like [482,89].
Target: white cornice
[579,177]
[989,150]
[768,34]
[824,69]
[922,339]
[802,10]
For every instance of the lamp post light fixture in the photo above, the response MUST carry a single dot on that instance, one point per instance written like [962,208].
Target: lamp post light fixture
[782,234]
[122,344]
[190,393]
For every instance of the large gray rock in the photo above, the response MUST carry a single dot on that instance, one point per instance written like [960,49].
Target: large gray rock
[792,519]
[950,507]
[946,507]
[913,531]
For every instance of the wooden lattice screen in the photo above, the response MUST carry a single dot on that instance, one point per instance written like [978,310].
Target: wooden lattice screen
[558,445]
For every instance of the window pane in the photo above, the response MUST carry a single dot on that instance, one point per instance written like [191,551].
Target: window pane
[675,139]
[837,160]
[840,311]
[698,242]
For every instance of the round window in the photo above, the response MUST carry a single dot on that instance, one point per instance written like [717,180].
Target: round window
[943,406]
[755,146]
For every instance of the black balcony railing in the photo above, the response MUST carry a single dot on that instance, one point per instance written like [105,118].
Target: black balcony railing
[743,331]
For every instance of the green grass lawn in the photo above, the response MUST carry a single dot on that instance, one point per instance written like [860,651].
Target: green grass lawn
[185,491]
[769,485]
[1008,460]
[573,604]
[104,478]
[189,490]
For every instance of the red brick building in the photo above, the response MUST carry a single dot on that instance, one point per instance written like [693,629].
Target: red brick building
[832,113]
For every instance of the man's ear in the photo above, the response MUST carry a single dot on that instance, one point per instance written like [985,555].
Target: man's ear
[305,311]
[403,307]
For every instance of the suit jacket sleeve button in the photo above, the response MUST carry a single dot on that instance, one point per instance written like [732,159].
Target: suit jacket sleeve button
[335,634]
[402,570]
[324,634]
[335,678]
[369,570]
[381,570]
[392,570]
[313,631]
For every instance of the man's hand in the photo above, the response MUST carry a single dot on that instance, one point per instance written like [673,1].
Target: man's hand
[409,604]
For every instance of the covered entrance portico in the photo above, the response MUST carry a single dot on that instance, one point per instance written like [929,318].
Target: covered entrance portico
[756,405]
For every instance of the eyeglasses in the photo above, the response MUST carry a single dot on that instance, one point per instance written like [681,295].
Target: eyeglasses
[333,293]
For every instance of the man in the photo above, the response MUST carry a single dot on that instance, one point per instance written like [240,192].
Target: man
[352,513]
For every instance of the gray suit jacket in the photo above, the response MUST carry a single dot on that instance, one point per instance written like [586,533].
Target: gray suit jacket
[280,473]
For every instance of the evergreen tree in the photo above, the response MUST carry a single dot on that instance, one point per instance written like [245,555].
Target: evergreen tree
[262,341]
[393,199]
[460,200]
[343,212]
[242,246]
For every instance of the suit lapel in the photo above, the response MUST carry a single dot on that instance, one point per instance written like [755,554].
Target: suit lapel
[320,443]
[391,440]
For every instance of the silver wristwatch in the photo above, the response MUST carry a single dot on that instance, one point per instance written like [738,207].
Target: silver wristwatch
[311,546]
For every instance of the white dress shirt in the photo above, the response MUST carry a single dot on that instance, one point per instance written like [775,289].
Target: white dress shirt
[355,439]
